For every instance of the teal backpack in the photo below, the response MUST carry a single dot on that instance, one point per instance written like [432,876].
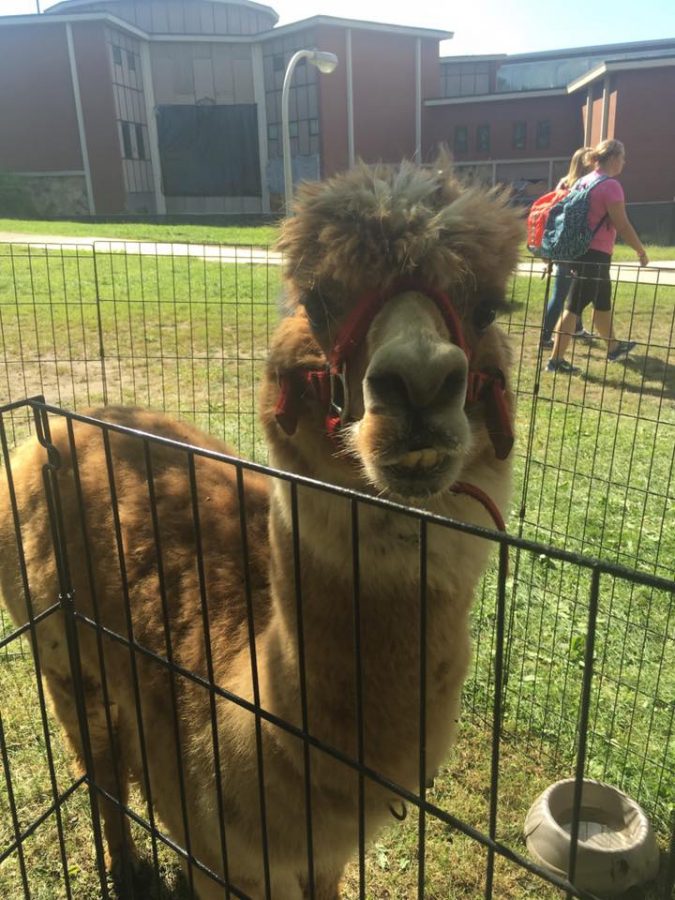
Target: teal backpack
[566,234]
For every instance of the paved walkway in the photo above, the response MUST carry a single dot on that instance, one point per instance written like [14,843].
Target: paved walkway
[210,252]
[661,272]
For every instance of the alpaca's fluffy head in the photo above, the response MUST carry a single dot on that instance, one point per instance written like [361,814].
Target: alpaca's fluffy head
[404,233]
[366,228]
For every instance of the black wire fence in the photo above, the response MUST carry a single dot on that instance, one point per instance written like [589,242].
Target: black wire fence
[573,670]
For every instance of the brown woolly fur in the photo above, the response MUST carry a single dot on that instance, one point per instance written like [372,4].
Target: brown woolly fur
[373,225]
[285,554]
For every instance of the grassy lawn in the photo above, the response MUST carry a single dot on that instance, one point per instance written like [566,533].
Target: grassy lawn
[595,473]
[260,236]
[196,234]
[623,253]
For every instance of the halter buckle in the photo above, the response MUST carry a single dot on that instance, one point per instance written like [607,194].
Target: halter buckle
[339,393]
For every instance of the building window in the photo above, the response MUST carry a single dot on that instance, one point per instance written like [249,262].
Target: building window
[131,62]
[278,63]
[519,135]
[126,140]
[461,142]
[293,129]
[117,55]
[543,139]
[140,142]
[483,138]
[273,132]
[465,79]
[314,126]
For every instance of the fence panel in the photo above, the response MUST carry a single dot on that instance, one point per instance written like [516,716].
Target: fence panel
[186,330]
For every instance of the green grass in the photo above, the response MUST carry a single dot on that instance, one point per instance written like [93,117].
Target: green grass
[181,334]
[655,252]
[454,864]
[196,234]
[260,236]
[594,470]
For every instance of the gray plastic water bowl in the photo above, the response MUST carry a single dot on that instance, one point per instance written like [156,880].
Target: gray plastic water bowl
[616,848]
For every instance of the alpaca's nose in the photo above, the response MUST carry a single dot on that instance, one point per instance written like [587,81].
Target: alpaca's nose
[417,375]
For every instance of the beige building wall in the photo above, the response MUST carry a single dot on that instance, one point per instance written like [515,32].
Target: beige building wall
[124,60]
[186,16]
[202,72]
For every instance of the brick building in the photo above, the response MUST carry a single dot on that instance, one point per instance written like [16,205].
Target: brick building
[517,119]
[173,107]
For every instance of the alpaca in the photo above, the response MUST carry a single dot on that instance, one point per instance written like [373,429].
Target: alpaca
[388,376]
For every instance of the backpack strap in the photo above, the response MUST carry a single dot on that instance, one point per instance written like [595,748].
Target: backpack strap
[589,188]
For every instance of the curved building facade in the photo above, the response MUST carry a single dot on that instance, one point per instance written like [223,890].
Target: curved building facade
[173,107]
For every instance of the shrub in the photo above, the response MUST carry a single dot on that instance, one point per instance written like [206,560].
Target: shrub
[15,196]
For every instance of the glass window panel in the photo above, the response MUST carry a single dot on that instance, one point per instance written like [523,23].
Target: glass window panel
[483,83]
[461,141]
[140,142]
[519,135]
[126,140]
[467,84]
[543,135]
[452,86]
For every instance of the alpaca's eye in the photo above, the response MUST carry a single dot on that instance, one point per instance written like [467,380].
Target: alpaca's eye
[483,316]
[316,311]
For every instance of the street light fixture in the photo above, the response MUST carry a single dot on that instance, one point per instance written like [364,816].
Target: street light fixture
[325,63]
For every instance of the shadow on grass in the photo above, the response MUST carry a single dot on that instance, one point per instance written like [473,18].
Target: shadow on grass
[651,371]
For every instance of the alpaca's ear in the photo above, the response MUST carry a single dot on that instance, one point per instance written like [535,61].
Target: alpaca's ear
[449,185]
[444,157]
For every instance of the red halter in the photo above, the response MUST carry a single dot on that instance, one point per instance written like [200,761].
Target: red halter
[486,386]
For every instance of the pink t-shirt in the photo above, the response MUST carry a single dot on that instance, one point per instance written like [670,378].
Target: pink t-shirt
[610,191]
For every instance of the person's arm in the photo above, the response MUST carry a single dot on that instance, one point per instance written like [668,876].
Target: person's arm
[617,213]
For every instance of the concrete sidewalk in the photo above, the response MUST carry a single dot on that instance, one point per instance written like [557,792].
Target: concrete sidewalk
[209,252]
[660,272]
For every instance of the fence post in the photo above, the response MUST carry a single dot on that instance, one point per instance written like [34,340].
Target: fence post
[67,603]
[99,322]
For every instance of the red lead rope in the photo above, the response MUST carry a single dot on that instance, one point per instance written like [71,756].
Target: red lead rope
[463,487]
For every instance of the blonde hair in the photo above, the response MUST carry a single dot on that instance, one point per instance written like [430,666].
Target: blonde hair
[578,166]
[604,151]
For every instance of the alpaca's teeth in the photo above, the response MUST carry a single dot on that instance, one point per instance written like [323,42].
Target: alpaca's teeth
[429,458]
[411,459]
[420,459]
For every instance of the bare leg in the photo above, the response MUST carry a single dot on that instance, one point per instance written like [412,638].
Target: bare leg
[602,321]
[563,334]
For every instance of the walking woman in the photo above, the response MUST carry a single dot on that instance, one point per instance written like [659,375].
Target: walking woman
[591,282]
[563,275]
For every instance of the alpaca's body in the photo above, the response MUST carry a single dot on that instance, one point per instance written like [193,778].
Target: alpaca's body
[389,593]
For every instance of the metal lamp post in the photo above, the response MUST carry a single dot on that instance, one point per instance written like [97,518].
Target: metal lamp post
[325,63]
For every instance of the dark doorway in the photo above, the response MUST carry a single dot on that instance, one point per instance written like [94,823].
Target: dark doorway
[209,151]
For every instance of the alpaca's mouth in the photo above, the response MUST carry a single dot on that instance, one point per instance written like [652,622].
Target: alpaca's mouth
[426,459]
[420,473]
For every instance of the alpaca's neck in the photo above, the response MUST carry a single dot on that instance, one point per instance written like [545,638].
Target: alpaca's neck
[380,614]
